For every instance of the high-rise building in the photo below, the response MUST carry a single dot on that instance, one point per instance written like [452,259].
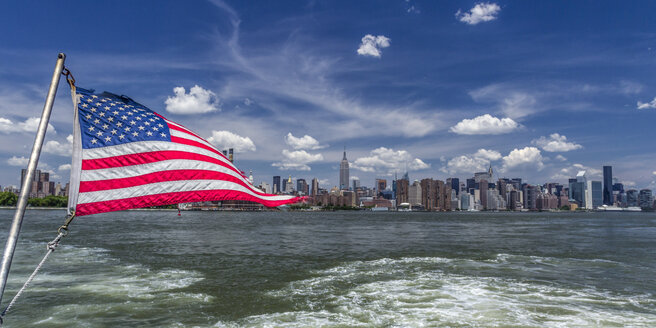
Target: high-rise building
[645,199]
[315,187]
[344,173]
[401,191]
[356,184]
[608,185]
[276,184]
[301,186]
[631,197]
[483,186]
[455,184]
[530,196]
[596,193]
[471,186]
[381,185]
[429,194]
[414,194]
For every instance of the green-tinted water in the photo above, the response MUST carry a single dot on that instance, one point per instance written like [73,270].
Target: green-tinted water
[343,269]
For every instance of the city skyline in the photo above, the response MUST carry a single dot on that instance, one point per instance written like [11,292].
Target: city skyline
[435,89]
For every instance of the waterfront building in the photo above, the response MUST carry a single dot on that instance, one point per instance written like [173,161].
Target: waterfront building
[315,187]
[596,194]
[301,187]
[530,196]
[471,186]
[429,194]
[465,199]
[631,197]
[483,187]
[344,173]
[356,184]
[645,199]
[454,183]
[414,194]
[608,185]
[381,185]
[402,191]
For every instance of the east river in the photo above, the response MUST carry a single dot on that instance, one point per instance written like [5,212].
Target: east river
[336,269]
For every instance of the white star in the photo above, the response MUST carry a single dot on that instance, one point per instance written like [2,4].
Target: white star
[100,133]
[93,109]
[161,126]
[155,128]
[163,135]
[124,117]
[93,141]
[133,122]
[85,105]
[152,119]
[105,126]
[135,133]
[94,96]
[114,131]
[104,99]
[89,100]
[108,139]
[149,133]
[121,136]
[141,128]
[127,129]
[138,118]
[96,121]
[107,107]
[147,123]
[111,119]
[130,113]
[102,114]
[115,112]
[119,124]
[98,104]
[91,128]
[88,116]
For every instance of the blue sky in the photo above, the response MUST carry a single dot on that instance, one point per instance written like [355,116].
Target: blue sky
[538,89]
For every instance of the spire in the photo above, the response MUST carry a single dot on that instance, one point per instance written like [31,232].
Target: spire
[344,154]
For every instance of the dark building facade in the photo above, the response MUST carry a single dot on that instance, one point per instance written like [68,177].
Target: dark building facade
[608,185]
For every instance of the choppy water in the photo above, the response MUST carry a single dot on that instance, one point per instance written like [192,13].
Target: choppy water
[342,269]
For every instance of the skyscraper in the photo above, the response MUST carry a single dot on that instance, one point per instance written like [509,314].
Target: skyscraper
[608,185]
[315,186]
[276,184]
[344,173]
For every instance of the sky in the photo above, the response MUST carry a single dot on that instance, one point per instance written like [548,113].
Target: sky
[536,89]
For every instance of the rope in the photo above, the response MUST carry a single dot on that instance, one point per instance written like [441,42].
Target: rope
[63,231]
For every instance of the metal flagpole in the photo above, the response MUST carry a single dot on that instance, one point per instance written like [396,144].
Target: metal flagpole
[31,167]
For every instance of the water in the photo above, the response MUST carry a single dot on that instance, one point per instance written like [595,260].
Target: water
[339,269]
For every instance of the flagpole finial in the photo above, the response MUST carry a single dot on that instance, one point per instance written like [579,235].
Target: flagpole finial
[61,55]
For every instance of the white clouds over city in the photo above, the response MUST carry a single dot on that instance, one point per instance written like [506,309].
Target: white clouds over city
[485,124]
[482,12]
[466,164]
[372,45]
[297,160]
[227,139]
[387,161]
[57,148]
[197,101]
[555,143]
[525,158]
[18,161]
[305,142]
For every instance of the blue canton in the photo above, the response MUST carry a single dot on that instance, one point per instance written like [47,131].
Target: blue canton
[107,120]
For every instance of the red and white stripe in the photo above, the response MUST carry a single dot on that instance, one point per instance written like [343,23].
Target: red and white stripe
[152,173]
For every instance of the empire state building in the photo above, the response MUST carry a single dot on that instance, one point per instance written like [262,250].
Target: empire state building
[344,173]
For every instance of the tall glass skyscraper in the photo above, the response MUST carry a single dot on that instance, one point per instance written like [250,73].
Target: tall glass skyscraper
[608,185]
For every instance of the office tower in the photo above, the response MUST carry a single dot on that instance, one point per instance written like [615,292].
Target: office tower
[301,186]
[401,191]
[454,183]
[483,186]
[231,155]
[608,185]
[276,184]
[465,201]
[356,184]
[530,196]
[315,187]
[645,198]
[631,197]
[597,194]
[344,173]
[381,185]
[471,185]
[289,185]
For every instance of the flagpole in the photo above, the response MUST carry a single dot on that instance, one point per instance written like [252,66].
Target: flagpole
[10,246]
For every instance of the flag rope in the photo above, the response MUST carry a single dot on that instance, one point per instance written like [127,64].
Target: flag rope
[51,246]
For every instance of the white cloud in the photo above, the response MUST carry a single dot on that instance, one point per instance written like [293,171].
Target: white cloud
[197,101]
[57,148]
[647,105]
[561,158]
[654,173]
[248,102]
[227,139]
[297,160]
[527,157]
[388,161]
[555,143]
[482,12]
[305,142]
[629,183]
[18,161]
[471,163]
[372,45]
[64,167]
[29,125]
[485,124]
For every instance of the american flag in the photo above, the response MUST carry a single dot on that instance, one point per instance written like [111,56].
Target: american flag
[128,156]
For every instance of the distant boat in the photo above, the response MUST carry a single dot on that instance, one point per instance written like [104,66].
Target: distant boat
[380,209]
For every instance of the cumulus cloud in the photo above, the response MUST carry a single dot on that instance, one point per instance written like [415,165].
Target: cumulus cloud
[297,160]
[305,142]
[561,158]
[647,105]
[197,101]
[227,139]
[387,161]
[470,163]
[482,12]
[485,124]
[372,45]
[57,148]
[18,161]
[29,125]
[527,157]
[555,143]
[64,167]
